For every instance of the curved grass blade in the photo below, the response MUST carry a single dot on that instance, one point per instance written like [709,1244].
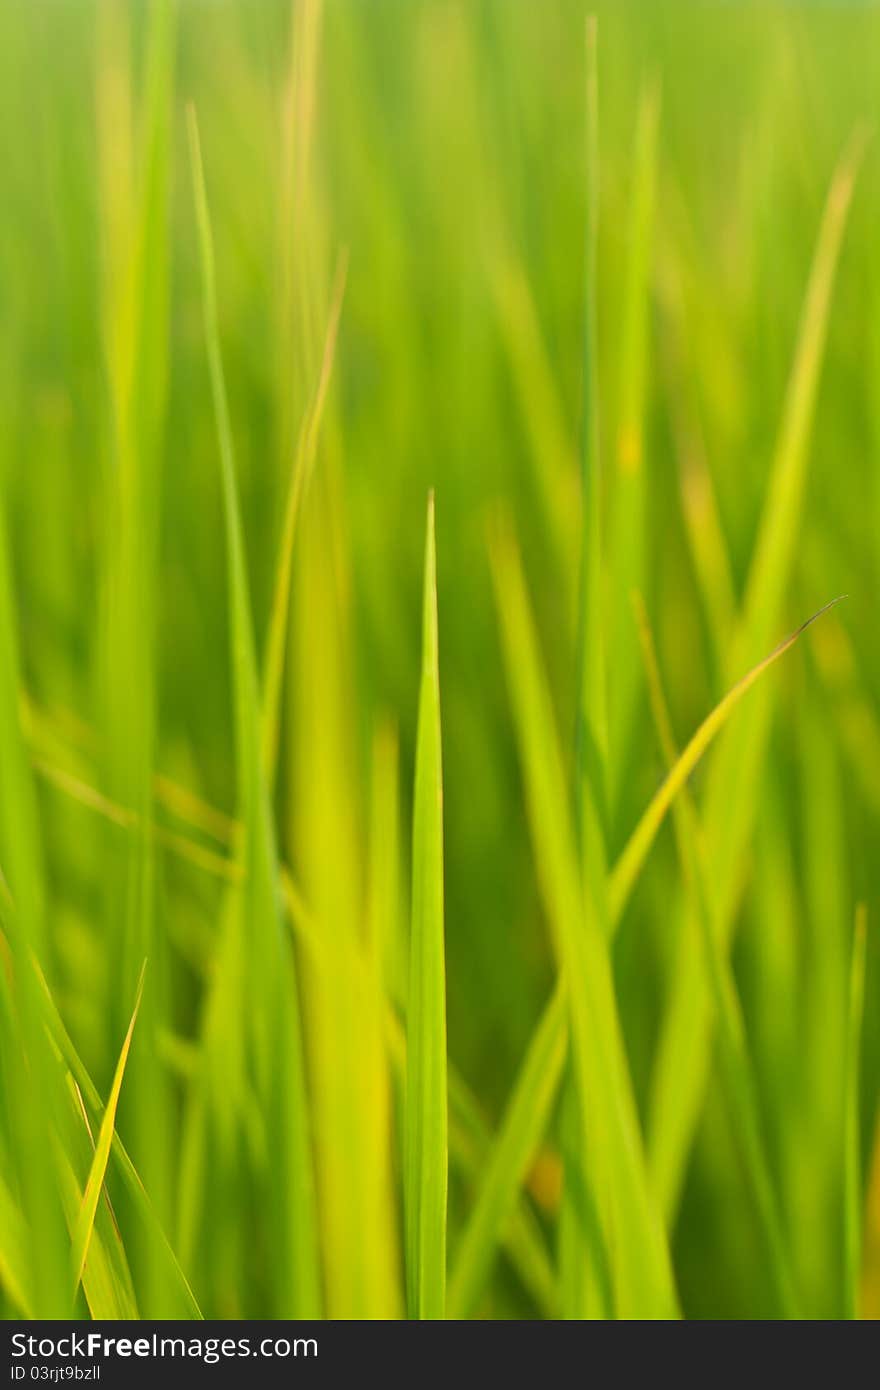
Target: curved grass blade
[85,1221]
[521,1131]
[585,1289]
[737,1075]
[65,1049]
[732,793]
[425,1139]
[631,1232]
[852,1171]
[631,861]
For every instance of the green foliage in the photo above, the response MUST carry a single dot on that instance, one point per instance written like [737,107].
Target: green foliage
[587,1014]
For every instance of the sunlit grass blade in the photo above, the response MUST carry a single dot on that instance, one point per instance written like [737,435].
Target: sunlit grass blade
[737,1073]
[852,1171]
[521,1130]
[631,861]
[264,1002]
[106,1279]
[185,1302]
[85,1221]
[470,1140]
[425,1126]
[732,793]
[134,156]
[632,1234]
[586,1290]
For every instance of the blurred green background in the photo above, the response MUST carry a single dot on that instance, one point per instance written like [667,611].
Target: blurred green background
[441,146]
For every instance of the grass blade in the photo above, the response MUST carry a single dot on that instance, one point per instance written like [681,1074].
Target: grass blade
[629,865]
[303,464]
[425,1148]
[86,1219]
[521,1131]
[628,535]
[632,1234]
[732,793]
[737,1075]
[63,1044]
[265,1010]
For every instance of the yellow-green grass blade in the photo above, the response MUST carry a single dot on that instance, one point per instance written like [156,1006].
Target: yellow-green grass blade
[632,1238]
[631,861]
[852,1174]
[588,1293]
[732,793]
[737,1073]
[185,1302]
[469,1136]
[521,1131]
[264,996]
[85,1220]
[347,1060]
[707,542]
[300,473]
[627,550]
[106,1280]
[134,140]
[426,1105]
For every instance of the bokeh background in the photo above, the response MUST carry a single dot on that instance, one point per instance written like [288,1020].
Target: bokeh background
[438,148]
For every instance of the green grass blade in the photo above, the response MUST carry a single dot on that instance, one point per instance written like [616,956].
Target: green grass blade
[632,1234]
[186,1302]
[425,1147]
[634,854]
[85,1221]
[737,1074]
[732,792]
[521,1130]
[588,1293]
[266,998]
[852,1172]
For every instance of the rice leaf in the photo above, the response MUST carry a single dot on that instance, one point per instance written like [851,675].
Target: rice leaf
[85,1221]
[425,1136]
[63,1044]
[632,858]
[732,792]
[737,1074]
[303,463]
